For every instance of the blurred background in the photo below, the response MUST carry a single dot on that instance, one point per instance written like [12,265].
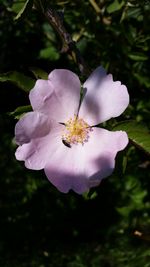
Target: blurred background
[110,226]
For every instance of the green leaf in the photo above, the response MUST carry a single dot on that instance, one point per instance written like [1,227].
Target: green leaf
[133,12]
[137,132]
[143,80]
[39,73]
[124,211]
[49,53]
[116,5]
[138,196]
[22,81]
[90,195]
[18,112]
[138,56]
[21,7]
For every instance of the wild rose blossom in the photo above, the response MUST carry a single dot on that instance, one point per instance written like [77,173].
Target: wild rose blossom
[61,138]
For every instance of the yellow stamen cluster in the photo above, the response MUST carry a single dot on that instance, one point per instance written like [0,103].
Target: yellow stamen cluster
[77,131]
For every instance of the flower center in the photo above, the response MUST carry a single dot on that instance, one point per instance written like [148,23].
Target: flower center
[76,131]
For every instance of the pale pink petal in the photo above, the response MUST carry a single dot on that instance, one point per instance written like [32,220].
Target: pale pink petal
[59,96]
[66,170]
[100,152]
[81,167]
[104,98]
[31,125]
[39,151]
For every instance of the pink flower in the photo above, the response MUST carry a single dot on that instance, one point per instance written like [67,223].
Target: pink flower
[59,137]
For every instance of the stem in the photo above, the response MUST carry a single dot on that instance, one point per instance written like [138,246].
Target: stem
[68,45]
[95,6]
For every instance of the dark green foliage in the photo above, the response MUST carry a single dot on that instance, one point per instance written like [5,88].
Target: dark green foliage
[19,79]
[110,226]
[137,132]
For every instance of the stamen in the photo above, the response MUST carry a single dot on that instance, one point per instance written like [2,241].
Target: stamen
[76,131]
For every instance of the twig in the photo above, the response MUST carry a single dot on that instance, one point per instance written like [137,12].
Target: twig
[95,6]
[68,45]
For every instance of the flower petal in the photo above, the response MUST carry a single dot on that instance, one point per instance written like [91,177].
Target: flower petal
[66,170]
[104,98]
[39,151]
[81,167]
[31,125]
[100,152]
[58,96]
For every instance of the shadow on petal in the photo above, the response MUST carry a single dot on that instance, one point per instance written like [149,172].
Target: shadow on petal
[81,182]
[106,165]
[92,110]
[103,98]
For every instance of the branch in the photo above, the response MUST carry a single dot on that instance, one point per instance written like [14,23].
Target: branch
[68,45]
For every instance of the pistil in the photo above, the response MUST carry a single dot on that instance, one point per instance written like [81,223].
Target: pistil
[76,131]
